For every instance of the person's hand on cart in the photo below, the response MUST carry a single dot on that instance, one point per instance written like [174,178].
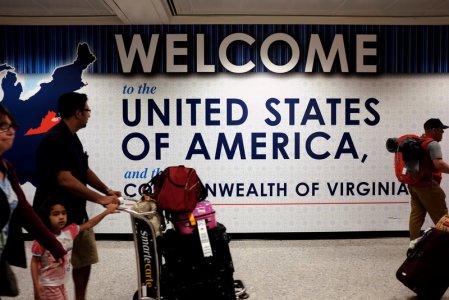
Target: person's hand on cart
[112,208]
[106,200]
[111,192]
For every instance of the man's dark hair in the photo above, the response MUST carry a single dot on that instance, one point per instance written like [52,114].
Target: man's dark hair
[69,103]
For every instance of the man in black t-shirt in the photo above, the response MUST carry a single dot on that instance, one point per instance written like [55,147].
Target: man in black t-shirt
[63,171]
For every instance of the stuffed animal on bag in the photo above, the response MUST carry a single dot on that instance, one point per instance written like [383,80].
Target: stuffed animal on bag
[147,204]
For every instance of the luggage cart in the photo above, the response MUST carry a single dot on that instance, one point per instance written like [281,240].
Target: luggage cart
[148,259]
[147,256]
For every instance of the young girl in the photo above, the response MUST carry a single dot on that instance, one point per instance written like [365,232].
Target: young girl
[48,275]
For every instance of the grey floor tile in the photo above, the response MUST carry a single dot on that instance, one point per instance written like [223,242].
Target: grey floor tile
[271,269]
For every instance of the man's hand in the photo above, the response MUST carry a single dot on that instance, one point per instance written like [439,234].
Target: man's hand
[105,200]
[110,192]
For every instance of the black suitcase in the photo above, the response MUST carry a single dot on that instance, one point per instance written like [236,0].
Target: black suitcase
[186,274]
[425,270]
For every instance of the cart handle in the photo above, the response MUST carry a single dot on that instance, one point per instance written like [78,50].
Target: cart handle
[131,211]
[123,199]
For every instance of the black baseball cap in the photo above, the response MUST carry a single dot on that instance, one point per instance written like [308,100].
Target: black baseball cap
[434,123]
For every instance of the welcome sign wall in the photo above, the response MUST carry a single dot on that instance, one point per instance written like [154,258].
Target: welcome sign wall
[286,125]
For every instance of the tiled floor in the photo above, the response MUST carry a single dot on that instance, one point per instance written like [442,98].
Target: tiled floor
[272,269]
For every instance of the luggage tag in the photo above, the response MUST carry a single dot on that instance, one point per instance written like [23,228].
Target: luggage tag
[404,170]
[204,238]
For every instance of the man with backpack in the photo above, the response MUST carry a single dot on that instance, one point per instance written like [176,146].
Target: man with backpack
[426,195]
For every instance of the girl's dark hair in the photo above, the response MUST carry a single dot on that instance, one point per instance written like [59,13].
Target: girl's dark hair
[45,209]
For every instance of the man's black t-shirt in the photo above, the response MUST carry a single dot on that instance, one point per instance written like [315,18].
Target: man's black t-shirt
[60,150]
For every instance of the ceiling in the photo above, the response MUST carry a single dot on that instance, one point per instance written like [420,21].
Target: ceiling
[85,12]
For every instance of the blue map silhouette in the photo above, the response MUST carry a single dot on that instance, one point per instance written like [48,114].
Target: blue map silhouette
[30,113]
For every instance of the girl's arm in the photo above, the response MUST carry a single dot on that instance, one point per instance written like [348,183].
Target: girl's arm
[35,276]
[95,220]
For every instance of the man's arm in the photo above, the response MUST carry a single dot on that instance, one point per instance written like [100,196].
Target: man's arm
[94,181]
[441,165]
[436,155]
[69,182]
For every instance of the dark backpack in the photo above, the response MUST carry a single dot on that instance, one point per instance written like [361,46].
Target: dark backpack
[178,189]
[408,152]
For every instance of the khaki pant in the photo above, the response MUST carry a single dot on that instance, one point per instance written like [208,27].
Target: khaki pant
[84,250]
[431,200]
